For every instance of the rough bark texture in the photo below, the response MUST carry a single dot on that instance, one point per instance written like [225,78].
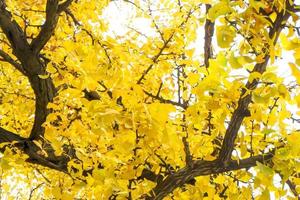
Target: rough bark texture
[242,110]
[31,65]
[201,168]
[209,29]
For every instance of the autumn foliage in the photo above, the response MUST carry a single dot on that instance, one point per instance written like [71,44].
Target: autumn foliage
[200,102]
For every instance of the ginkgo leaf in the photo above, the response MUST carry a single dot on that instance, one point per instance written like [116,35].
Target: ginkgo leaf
[253,76]
[257,5]
[234,62]
[273,16]
[51,69]
[160,112]
[225,36]
[260,58]
[289,44]
[297,53]
[193,78]
[218,9]
[295,148]
[265,195]
[295,72]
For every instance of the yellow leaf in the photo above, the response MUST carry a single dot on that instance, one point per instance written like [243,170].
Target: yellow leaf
[243,149]
[273,16]
[218,9]
[265,195]
[4,164]
[253,76]
[234,62]
[220,179]
[289,44]
[282,90]
[160,112]
[260,58]
[225,36]
[272,53]
[193,78]
[293,142]
[51,69]
[295,72]
[297,53]
[257,5]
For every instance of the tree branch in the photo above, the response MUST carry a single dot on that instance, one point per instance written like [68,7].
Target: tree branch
[209,32]
[11,61]
[13,32]
[242,110]
[292,187]
[31,149]
[201,168]
[155,59]
[162,100]
[53,9]
[7,136]
[64,6]
[48,28]
[166,42]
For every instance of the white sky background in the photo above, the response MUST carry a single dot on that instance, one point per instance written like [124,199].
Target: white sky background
[120,14]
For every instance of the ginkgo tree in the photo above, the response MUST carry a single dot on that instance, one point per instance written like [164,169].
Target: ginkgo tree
[192,107]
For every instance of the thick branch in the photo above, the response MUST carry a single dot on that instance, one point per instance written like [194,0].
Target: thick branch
[201,168]
[31,149]
[242,110]
[58,163]
[53,9]
[7,136]
[209,29]
[28,55]
[32,65]
[48,28]
[13,32]
[11,61]
[64,6]
[44,91]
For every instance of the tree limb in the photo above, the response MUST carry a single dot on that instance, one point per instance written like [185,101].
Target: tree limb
[48,28]
[202,168]
[11,61]
[167,101]
[292,187]
[64,6]
[31,149]
[242,109]
[53,9]
[13,32]
[209,32]
[7,136]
